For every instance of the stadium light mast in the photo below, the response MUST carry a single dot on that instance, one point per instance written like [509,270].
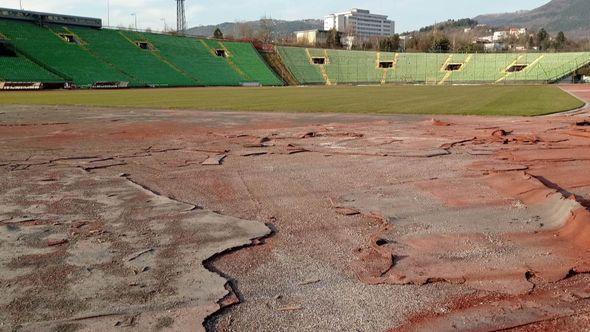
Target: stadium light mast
[135,17]
[165,25]
[180,16]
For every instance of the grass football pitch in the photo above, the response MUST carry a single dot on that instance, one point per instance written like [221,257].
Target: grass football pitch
[460,100]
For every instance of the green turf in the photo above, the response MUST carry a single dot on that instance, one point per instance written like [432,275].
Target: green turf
[468,100]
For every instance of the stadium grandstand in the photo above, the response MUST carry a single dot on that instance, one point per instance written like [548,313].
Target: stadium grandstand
[323,66]
[40,50]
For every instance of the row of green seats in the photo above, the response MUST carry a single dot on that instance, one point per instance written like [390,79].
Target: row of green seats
[549,67]
[20,69]
[143,65]
[297,61]
[339,66]
[245,57]
[69,60]
[195,59]
[86,56]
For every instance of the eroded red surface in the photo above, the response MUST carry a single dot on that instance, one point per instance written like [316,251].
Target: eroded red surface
[415,223]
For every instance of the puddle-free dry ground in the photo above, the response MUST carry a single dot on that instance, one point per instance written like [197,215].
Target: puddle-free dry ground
[136,219]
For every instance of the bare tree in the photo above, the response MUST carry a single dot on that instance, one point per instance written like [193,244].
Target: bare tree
[266,28]
[245,30]
[333,39]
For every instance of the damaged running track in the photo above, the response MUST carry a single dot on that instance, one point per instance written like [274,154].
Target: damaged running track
[101,266]
[393,222]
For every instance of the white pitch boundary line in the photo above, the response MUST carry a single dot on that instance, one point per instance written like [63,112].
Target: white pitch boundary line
[580,111]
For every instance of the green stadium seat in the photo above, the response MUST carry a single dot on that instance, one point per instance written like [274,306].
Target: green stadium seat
[357,67]
[88,56]
[548,67]
[192,57]
[143,65]
[16,68]
[70,61]
[247,59]
[298,63]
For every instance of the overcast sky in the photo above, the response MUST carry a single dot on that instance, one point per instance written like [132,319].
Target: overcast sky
[409,14]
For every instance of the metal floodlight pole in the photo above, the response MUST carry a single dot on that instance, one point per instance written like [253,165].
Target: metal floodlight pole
[180,16]
[165,26]
[20,2]
[135,16]
[108,13]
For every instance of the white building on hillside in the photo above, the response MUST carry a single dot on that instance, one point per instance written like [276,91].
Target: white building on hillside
[500,36]
[518,31]
[311,37]
[360,23]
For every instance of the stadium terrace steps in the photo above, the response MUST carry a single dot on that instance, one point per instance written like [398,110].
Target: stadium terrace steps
[137,38]
[90,57]
[484,68]
[104,55]
[296,59]
[419,68]
[251,63]
[195,59]
[215,46]
[274,60]
[68,60]
[20,69]
[359,67]
[549,66]
[352,67]
[142,65]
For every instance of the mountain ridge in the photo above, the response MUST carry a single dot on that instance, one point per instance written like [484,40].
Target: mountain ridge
[279,28]
[569,16]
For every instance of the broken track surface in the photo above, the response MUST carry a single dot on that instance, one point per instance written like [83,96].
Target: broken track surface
[395,222]
[83,247]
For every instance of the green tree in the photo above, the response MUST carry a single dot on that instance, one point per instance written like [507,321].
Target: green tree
[218,34]
[469,47]
[543,39]
[530,42]
[441,44]
[389,44]
[560,41]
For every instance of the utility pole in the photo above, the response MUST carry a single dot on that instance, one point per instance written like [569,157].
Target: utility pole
[180,16]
